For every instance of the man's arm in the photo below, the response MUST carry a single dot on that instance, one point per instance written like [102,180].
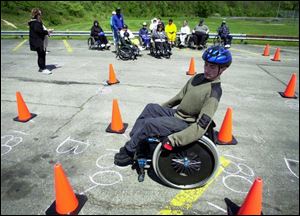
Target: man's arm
[177,99]
[196,130]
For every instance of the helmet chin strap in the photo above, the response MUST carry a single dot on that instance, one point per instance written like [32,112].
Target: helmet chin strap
[219,73]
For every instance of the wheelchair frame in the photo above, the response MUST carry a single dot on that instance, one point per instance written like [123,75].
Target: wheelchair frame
[93,45]
[153,51]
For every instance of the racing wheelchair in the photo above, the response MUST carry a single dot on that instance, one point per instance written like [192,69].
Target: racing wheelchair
[184,167]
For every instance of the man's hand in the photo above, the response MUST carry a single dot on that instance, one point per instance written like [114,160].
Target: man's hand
[166,144]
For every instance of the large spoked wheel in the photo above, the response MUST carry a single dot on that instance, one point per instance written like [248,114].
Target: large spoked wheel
[91,42]
[187,167]
[125,53]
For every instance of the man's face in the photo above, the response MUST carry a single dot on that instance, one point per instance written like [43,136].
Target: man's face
[211,71]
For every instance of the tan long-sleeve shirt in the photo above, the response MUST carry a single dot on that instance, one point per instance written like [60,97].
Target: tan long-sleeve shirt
[197,103]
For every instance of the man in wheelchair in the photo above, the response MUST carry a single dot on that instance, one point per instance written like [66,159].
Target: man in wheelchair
[199,36]
[128,45]
[224,34]
[100,39]
[161,47]
[196,104]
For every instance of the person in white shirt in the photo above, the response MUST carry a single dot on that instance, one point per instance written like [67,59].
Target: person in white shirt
[153,25]
[128,37]
[184,32]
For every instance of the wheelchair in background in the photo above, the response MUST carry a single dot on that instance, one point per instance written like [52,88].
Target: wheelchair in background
[185,167]
[162,50]
[96,44]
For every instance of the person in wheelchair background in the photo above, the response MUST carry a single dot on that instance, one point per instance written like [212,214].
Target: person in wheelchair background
[144,37]
[98,34]
[224,34]
[171,30]
[128,39]
[160,40]
[185,33]
[200,36]
[196,104]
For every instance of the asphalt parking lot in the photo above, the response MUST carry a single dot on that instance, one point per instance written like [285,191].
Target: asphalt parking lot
[74,107]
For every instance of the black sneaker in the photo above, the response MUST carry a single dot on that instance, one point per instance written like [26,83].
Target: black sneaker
[124,157]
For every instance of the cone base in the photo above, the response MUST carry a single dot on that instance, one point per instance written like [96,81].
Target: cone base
[218,142]
[188,73]
[81,201]
[275,60]
[264,55]
[109,130]
[232,208]
[282,95]
[108,83]
[23,121]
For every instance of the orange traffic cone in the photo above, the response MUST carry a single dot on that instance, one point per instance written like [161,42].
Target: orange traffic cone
[290,89]
[277,55]
[112,76]
[67,202]
[191,71]
[116,125]
[224,136]
[253,203]
[267,50]
[23,113]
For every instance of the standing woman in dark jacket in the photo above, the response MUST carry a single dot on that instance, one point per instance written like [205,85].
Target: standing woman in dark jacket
[36,39]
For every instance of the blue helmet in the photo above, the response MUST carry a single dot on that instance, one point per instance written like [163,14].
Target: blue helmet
[217,55]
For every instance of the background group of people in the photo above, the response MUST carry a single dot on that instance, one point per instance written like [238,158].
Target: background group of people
[163,36]
[196,38]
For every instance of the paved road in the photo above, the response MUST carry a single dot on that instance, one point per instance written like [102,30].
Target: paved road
[74,109]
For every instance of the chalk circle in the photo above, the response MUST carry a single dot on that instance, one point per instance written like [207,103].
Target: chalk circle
[259,139]
[107,178]
[251,173]
[247,172]
[230,167]
[293,104]
[104,159]
[239,186]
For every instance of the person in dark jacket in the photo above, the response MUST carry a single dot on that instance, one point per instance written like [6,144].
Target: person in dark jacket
[98,34]
[196,104]
[36,39]
[117,24]
[224,33]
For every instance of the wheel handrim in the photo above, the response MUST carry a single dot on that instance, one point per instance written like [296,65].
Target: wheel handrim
[184,170]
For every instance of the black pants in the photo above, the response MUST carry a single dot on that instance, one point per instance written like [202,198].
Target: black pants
[200,38]
[41,58]
[162,46]
[154,121]
[102,39]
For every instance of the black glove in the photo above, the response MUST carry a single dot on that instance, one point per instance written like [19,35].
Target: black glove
[166,145]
